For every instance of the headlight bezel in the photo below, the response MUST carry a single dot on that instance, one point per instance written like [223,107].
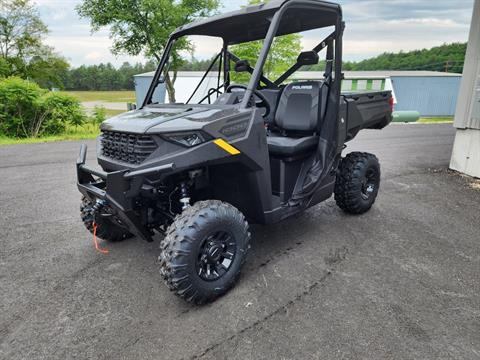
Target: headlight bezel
[187,139]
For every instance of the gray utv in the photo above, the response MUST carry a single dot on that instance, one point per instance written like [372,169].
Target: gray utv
[258,153]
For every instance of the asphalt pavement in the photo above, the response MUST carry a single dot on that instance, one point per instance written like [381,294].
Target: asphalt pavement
[400,282]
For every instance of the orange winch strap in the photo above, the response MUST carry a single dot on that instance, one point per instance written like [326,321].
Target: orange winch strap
[95,241]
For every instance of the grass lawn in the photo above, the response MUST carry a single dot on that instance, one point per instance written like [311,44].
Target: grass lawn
[106,96]
[436,120]
[110,113]
[87,131]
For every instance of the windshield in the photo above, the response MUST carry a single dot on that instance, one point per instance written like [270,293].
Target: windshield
[202,71]
[193,70]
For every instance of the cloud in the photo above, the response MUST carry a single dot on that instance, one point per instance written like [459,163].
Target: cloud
[94,55]
[425,21]
[372,27]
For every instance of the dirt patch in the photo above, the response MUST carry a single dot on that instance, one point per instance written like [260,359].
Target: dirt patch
[475,184]
[470,181]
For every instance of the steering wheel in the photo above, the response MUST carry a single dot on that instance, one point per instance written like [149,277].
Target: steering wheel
[263,103]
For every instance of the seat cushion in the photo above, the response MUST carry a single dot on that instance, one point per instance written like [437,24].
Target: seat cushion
[299,107]
[288,146]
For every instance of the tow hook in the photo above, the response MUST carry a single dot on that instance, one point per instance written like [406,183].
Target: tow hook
[99,205]
[97,210]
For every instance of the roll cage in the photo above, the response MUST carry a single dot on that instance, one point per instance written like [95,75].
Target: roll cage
[263,21]
[271,84]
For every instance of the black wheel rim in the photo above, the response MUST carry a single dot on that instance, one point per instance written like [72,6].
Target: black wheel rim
[369,184]
[216,256]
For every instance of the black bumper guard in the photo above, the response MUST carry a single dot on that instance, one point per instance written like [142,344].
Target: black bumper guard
[118,189]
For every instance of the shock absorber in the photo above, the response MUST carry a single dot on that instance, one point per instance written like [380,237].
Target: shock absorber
[185,198]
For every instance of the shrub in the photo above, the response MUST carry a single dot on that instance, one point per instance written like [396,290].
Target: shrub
[26,110]
[99,115]
[19,105]
[60,109]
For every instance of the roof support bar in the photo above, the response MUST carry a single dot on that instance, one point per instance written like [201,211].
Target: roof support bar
[263,79]
[326,42]
[258,71]
[158,73]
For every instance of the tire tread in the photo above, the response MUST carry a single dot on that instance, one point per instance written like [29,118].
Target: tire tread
[350,173]
[177,243]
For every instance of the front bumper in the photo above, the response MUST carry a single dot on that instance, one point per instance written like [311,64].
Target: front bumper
[119,189]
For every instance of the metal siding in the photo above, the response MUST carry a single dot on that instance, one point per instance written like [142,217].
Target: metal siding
[475,118]
[466,150]
[430,96]
[468,108]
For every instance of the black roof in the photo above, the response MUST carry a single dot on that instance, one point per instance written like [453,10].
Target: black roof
[252,22]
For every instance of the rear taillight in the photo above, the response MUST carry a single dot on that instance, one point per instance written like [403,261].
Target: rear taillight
[392,104]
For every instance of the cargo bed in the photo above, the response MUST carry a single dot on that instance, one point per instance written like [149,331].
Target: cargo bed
[366,110]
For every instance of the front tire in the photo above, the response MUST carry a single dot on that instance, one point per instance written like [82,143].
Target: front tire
[357,183]
[204,251]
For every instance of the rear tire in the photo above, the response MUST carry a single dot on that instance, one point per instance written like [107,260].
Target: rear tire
[204,251]
[357,183]
[106,230]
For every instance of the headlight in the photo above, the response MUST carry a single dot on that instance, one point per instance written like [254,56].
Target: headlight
[188,139]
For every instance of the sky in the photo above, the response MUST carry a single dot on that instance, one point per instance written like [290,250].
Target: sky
[372,27]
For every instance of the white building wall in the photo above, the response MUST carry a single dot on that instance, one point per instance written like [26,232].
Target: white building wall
[185,85]
[466,151]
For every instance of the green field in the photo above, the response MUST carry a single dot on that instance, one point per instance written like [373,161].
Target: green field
[106,96]
[109,112]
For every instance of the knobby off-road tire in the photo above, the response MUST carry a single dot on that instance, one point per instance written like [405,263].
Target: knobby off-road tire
[357,183]
[106,230]
[202,239]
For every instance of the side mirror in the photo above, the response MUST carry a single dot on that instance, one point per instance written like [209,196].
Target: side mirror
[308,58]
[242,66]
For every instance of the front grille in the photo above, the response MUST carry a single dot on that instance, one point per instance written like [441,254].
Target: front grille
[129,148]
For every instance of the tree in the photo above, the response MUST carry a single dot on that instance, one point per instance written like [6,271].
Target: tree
[103,76]
[46,68]
[143,26]
[21,29]
[4,68]
[447,57]
[283,54]
[22,52]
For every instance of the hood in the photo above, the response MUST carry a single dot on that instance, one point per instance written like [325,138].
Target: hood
[140,121]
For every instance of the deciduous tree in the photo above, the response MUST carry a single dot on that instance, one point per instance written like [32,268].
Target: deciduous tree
[21,29]
[143,26]
[22,52]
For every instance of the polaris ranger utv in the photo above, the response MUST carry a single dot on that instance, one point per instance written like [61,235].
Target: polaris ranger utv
[257,153]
